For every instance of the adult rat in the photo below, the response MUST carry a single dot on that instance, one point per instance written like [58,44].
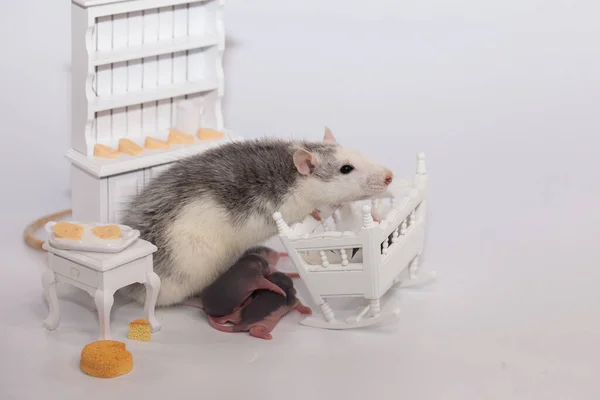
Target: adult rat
[207,209]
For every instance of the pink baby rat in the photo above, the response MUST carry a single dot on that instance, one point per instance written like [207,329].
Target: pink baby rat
[237,284]
[262,311]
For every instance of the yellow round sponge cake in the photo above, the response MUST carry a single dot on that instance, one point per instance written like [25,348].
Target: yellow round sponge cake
[106,359]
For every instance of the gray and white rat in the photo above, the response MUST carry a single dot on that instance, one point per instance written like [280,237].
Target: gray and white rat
[205,210]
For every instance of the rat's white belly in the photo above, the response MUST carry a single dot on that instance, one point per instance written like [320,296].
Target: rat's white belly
[203,245]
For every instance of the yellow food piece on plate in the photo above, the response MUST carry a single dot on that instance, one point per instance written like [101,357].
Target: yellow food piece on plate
[178,137]
[101,150]
[140,329]
[209,134]
[106,359]
[156,144]
[67,230]
[107,232]
[130,147]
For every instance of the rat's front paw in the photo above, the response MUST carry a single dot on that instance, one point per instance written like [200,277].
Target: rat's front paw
[316,214]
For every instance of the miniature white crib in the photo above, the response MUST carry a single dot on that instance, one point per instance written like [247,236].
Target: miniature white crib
[366,261]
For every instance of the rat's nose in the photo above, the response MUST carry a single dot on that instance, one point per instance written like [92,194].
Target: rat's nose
[388,177]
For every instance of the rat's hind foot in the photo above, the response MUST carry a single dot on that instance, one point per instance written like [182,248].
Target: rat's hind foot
[316,214]
[302,309]
[220,327]
[221,320]
[260,332]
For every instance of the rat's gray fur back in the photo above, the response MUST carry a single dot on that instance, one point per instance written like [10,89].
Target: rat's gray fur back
[205,210]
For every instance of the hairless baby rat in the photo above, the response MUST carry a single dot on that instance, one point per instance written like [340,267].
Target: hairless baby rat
[272,258]
[236,285]
[206,209]
[236,275]
[263,310]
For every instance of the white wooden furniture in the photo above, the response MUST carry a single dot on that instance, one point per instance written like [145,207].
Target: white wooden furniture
[101,275]
[388,254]
[139,68]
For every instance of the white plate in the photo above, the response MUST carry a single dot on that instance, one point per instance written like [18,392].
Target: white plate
[91,242]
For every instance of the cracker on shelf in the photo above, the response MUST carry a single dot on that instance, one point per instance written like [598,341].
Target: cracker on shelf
[209,134]
[178,137]
[101,150]
[156,144]
[130,147]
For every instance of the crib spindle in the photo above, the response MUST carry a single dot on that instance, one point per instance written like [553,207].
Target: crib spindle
[386,245]
[327,312]
[344,257]
[375,308]
[283,228]
[367,217]
[403,228]
[412,218]
[324,261]
[395,235]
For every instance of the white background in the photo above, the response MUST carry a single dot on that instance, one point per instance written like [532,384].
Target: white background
[503,98]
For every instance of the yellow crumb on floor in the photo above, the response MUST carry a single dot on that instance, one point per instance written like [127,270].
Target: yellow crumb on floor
[140,329]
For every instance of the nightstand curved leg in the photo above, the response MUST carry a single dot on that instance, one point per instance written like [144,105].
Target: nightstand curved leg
[104,301]
[49,284]
[152,285]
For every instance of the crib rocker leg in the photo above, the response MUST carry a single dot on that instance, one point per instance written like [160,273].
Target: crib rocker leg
[361,320]
[414,278]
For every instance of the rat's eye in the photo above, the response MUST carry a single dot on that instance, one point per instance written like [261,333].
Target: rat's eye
[346,169]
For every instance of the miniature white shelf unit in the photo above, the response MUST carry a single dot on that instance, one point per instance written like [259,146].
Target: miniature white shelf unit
[365,261]
[139,68]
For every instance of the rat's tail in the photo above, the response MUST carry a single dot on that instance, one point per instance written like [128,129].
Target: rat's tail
[227,328]
[32,228]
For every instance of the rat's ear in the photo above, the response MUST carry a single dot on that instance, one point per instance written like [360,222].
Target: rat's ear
[305,161]
[328,137]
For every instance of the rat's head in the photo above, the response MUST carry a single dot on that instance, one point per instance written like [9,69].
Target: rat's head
[286,283]
[255,262]
[335,174]
[267,253]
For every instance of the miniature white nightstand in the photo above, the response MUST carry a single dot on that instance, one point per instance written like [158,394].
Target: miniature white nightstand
[101,275]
